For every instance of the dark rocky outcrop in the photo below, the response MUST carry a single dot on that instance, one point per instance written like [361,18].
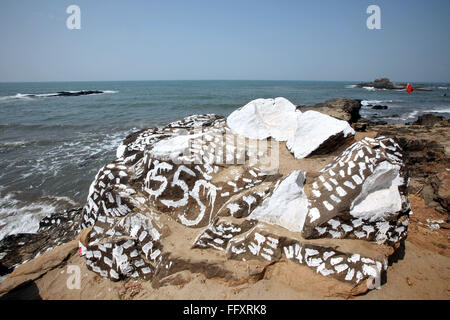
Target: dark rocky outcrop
[340,108]
[57,229]
[426,144]
[66,94]
[77,93]
[428,119]
[379,107]
[385,83]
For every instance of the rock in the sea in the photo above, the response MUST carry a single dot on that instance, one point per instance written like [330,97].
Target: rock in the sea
[381,83]
[379,107]
[197,196]
[386,84]
[318,133]
[76,93]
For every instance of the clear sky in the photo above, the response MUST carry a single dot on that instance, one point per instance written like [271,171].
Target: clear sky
[226,39]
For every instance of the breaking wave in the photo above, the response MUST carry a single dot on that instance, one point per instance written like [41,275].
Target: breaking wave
[19,216]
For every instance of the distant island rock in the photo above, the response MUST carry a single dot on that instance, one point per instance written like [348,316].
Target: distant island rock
[379,107]
[385,83]
[66,93]
[78,93]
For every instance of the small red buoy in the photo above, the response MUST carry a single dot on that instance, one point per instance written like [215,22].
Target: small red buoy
[409,88]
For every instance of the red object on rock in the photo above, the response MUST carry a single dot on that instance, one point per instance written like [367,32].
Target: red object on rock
[409,88]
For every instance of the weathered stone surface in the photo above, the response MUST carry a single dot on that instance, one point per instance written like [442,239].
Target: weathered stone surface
[427,154]
[428,120]
[35,268]
[361,194]
[57,229]
[440,186]
[339,108]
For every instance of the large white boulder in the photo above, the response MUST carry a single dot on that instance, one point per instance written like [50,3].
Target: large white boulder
[287,206]
[379,197]
[264,118]
[314,130]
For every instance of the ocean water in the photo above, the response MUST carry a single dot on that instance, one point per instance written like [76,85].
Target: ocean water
[51,147]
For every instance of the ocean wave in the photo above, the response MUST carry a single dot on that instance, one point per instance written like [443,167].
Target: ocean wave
[439,110]
[412,115]
[351,86]
[110,91]
[17,96]
[11,145]
[48,159]
[365,103]
[19,216]
[369,88]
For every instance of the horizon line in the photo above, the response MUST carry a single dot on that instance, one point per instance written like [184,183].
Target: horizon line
[148,80]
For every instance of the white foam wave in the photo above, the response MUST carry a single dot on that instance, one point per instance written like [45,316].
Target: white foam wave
[351,86]
[439,110]
[412,115]
[17,216]
[365,103]
[369,88]
[25,96]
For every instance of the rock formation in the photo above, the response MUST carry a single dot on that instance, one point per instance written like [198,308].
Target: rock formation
[207,194]
[57,229]
[385,83]
[426,144]
[196,190]
[339,108]
[306,133]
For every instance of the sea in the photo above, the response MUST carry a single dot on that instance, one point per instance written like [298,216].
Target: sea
[52,146]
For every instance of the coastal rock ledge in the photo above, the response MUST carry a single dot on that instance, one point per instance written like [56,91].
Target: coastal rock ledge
[230,198]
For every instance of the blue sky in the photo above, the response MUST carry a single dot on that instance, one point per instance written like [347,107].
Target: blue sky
[197,39]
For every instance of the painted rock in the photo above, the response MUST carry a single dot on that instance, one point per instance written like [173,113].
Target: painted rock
[306,133]
[195,195]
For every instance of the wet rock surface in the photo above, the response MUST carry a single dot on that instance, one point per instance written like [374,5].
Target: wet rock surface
[54,230]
